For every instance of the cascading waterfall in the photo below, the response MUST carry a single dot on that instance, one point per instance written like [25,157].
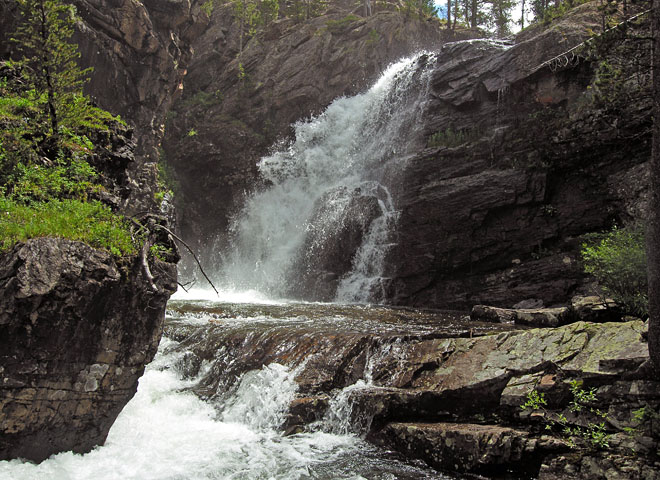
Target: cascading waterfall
[322,227]
[167,433]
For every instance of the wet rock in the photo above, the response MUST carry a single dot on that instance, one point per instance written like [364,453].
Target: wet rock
[460,447]
[599,466]
[292,70]
[453,402]
[76,330]
[541,317]
[483,221]
[336,230]
[303,411]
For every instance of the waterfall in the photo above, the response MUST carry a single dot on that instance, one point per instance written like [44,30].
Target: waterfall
[322,226]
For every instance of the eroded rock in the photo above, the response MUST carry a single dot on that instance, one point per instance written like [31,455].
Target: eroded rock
[76,330]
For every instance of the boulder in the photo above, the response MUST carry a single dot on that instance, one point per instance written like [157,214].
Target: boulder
[534,317]
[76,330]
[461,447]
[594,308]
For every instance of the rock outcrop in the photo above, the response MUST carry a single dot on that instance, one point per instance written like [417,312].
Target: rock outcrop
[77,325]
[139,52]
[523,162]
[76,330]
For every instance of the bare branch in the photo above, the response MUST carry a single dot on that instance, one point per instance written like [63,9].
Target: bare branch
[199,264]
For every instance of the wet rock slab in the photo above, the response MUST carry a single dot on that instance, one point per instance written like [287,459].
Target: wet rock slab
[462,447]
[417,383]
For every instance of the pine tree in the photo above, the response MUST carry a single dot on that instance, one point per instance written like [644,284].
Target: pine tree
[49,63]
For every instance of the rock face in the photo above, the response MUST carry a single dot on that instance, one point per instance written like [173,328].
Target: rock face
[237,104]
[334,237]
[76,330]
[523,163]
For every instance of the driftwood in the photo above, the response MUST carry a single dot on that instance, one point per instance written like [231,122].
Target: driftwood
[199,264]
[145,250]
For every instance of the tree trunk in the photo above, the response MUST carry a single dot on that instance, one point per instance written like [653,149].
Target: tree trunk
[653,227]
[448,14]
[473,14]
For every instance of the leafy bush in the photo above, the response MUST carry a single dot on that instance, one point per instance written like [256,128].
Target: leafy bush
[89,222]
[618,261]
[593,434]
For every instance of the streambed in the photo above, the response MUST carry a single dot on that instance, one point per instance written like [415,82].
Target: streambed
[179,426]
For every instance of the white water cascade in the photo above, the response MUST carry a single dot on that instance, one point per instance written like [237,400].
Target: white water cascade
[322,227]
[168,433]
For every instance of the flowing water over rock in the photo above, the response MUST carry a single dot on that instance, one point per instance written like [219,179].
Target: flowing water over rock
[222,417]
[322,226]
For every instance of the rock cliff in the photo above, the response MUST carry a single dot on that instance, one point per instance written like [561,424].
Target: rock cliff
[77,325]
[520,161]
[524,162]
[76,330]
[237,104]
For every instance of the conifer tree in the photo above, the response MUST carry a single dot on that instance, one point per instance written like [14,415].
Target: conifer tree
[49,64]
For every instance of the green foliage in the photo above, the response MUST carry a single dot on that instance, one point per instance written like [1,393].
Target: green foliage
[420,8]
[374,37]
[45,127]
[192,132]
[89,222]
[592,434]
[617,259]
[36,183]
[452,138]
[546,11]
[535,401]
[207,7]
[49,66]
[301,10]
[338,26]
[160,252]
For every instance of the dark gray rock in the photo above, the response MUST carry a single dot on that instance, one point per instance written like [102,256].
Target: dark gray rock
[533,317]
[76,330]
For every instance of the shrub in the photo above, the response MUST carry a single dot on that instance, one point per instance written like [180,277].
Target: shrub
[617,259]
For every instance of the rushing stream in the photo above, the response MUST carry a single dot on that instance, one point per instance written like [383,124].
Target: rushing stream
[320,229]
[167,432]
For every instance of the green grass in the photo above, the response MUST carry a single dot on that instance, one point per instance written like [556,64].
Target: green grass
[89,222]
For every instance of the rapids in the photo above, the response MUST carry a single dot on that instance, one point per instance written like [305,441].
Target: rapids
[167,432]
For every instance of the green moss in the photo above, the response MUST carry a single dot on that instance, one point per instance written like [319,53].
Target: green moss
[89,222]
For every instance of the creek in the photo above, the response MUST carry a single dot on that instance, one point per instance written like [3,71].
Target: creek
[221,418]
[214,404]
